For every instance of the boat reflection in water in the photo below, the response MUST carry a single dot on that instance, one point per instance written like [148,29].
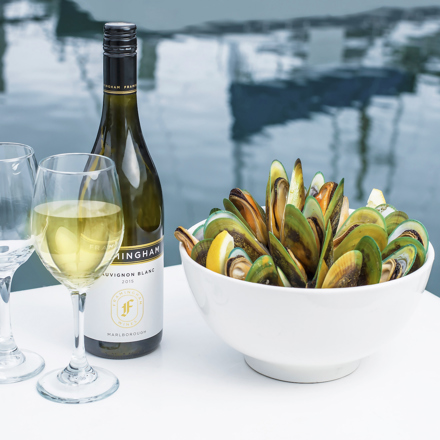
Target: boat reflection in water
[354,96]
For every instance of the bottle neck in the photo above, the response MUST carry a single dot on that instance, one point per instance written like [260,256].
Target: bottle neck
[120,86]
[120,77]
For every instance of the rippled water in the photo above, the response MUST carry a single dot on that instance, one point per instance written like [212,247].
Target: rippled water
[353,96]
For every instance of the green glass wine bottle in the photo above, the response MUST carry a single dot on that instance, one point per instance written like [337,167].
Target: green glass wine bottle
[125,306]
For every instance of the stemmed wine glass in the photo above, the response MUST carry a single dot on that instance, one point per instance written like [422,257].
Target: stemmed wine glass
[17,177]
[77,225]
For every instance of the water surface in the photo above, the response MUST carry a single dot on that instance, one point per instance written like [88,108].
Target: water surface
[354,96]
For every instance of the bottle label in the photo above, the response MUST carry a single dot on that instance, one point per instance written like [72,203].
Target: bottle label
[126,303]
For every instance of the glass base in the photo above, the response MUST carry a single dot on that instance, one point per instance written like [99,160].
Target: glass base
[53,387]
[21,365]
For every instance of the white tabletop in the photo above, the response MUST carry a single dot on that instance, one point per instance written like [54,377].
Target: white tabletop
[196,387]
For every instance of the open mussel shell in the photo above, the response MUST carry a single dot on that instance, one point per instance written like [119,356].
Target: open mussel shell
[371,269]
[200,251]
[239,252]
[411,228]
[276,171]
[186,238]
[394,219]
[325,195]
[251,211]
[283,278]
[325,259]
[361,216]
[333,212]
[198,232]
[238,267]
[385,209]
[344,272]
[284,261]
[354,235]
[297,235]
[399,263]
[238,264]
[243,236]
[400,242]
[278,201]
[313,213]
[297,195]
[315,185]
[264,271]
[229,206]
[345,213]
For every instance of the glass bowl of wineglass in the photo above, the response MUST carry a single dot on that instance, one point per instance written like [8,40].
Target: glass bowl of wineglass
[77,226]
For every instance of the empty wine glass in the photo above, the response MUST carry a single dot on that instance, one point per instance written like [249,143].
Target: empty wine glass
[77,224]
[17,177]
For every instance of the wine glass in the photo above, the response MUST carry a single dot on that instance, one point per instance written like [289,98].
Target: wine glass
[17,177]
[77,225]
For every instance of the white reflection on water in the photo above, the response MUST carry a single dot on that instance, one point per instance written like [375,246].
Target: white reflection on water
[218,107]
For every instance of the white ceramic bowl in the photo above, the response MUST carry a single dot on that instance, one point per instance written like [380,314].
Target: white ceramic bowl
[304,335]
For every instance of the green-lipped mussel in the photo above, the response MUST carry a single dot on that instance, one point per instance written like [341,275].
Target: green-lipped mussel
[307,237]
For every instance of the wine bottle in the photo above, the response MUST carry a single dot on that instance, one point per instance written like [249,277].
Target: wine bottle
[125,306]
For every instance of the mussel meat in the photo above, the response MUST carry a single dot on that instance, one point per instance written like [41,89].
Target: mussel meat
[186,238]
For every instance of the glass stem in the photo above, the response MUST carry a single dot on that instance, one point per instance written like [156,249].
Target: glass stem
[10,355]
[78,371]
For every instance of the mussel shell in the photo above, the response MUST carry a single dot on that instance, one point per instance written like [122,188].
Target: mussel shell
[283,278]
[345,213]
[403,241]
[312,210]
[243,237]
[345,271]
[315,185]
[256,204]
[297,195]
[298,236]
[371,269]
[229,206]
[394,219]
[385,209]
[285,262]
[198,232]
[200,251]
[361,216]
[317,232]
[405,258]
[325,259]
[278,202]
[411,228]
[276,170]
[186,238]
[264,271]
[214,210]
[239,252]
[238,267]
[251,212]
[325,195]
[333,212]
[350,242]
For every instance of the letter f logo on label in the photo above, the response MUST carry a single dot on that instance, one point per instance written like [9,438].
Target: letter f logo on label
[126,307]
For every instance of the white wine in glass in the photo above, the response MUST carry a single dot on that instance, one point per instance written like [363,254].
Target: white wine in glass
[77,226]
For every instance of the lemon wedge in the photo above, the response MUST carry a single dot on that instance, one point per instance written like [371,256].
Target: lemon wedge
[219,251]
[376,198]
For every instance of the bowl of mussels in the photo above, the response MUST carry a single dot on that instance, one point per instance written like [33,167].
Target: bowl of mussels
[307,287]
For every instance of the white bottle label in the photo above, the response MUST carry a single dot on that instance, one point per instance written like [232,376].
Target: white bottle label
[126,303]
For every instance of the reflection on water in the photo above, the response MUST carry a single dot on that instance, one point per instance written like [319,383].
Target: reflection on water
[353,96]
